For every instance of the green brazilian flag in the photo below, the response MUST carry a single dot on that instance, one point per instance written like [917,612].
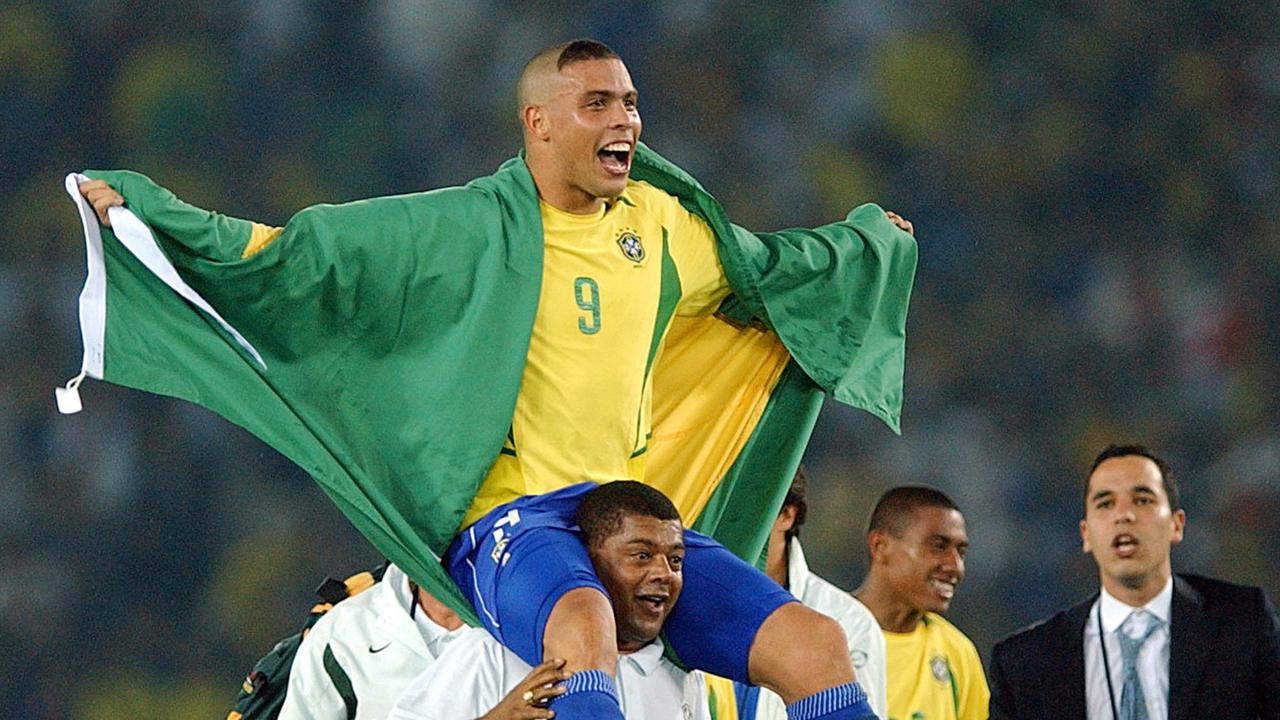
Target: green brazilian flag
[379,344]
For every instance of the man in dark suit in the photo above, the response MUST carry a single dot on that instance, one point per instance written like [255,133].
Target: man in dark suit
[1150,645]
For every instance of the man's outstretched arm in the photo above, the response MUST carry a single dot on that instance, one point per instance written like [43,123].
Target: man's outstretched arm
[837,296]
[345,308]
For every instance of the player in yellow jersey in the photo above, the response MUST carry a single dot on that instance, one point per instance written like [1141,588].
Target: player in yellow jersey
[611,281]
[917,543]
[621,259]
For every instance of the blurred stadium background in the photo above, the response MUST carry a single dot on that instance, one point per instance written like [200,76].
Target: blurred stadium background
[1096,192]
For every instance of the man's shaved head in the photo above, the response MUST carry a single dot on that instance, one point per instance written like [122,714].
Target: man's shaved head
[534,85]
[580,123]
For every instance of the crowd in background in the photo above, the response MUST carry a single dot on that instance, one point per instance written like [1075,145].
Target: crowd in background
[1096,194]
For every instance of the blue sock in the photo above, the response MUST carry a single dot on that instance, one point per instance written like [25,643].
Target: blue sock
[589,694]
[842,702]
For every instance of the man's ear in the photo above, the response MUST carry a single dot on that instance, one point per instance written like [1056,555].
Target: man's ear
[534,119]
[1084,537]
[877,542]
[1179,520]
[786,518]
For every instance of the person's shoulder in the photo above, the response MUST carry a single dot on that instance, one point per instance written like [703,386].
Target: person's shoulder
[940,624]
[1216,586]
[949,631]
[349,619]
[475,647]
[511,187]
[1222,594]
[1039,631]
[511,177]
[826,597]
[646,197]
[647,164]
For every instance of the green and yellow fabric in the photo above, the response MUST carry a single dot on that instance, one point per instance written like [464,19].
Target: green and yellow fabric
[379,344]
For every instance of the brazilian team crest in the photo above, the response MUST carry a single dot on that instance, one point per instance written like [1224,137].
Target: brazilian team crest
[631,247]
[938,665]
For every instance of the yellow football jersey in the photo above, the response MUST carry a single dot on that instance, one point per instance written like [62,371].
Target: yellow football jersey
[934,673]
[611,283]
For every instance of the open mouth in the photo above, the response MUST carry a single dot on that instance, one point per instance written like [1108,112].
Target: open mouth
[1125,545]
[615,157]
[943,588]
[654,604]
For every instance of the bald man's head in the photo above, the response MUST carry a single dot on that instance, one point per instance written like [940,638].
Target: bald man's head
[535,85]
[581,124]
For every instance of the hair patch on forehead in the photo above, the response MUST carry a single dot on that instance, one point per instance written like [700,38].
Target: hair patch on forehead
[601,513]
[895,508]
[584,49]
[1116,450]
[531,89]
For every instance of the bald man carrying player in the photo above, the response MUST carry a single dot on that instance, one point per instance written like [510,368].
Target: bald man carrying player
[622,259]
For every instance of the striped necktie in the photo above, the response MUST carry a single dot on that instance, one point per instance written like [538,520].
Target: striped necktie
[1132,704]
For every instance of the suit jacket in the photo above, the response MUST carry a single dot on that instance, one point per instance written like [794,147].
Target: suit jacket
[1224,658]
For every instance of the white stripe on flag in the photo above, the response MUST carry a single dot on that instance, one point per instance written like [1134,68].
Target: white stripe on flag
[137,237]
[93,298]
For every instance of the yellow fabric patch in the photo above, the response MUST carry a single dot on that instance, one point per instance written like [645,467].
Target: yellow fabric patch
[358,583]
[259,238]
[721,697]
[710,388]
[583,412]
[934,671]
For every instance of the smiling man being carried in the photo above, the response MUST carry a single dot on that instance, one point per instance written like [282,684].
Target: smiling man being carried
[636,542]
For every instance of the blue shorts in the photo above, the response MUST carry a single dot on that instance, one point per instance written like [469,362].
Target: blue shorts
[514,563]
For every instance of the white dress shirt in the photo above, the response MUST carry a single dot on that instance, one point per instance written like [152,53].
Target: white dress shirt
[476,672]
[1153,659]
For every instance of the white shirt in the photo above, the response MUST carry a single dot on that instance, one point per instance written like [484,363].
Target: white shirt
[1153,658]
[379,647]
[477,672]
[862,632]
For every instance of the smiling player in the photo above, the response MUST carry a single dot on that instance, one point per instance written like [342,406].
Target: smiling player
[917,544]
[636,542]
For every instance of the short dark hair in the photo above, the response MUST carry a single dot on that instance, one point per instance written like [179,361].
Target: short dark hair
[562,54]
[602,509]
[798,498]
[567,53]
[893,510]
[1115,450]
[582,49]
